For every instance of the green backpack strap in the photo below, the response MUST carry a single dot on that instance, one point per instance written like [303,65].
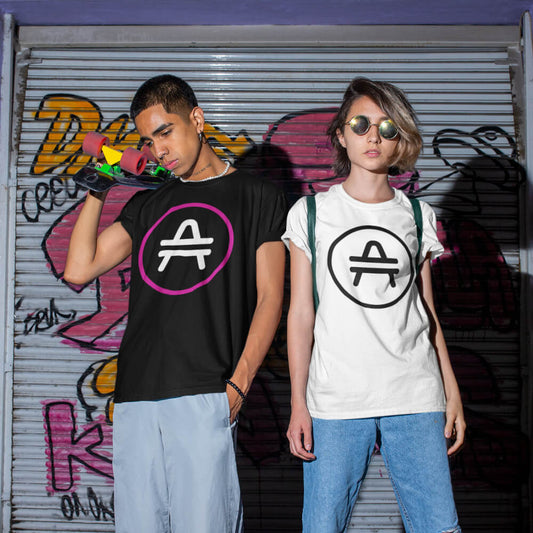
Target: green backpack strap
[311,221]
[417,212]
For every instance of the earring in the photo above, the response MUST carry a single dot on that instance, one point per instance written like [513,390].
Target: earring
[200,137]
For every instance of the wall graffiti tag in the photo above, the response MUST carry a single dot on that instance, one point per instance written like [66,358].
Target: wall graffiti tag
[68,450]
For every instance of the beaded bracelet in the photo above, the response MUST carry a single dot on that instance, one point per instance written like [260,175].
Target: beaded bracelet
[239,391]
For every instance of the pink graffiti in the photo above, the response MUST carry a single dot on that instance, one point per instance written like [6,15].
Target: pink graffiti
[302,137]
[101,330]
[303,141]
[68,451]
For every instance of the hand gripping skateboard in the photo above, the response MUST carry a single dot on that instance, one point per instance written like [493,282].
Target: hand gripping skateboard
[131,167]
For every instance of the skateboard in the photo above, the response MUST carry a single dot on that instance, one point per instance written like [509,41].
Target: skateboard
[112,167]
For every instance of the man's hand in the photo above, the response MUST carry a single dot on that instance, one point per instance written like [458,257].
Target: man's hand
[235,402]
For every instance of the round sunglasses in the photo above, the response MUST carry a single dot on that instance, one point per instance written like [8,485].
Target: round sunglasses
[361,124]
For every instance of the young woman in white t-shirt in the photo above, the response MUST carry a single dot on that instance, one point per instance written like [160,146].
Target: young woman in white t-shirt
[370,365]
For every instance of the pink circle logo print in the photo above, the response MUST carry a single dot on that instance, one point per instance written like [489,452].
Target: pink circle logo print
[185,249]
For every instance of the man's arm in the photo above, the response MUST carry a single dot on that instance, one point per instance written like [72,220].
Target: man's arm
[455,419]
[90,255]
[270,270]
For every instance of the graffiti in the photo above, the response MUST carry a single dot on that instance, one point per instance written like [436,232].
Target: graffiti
[102,329]
[46,196]
[489,167]
[46,318]
[472,278]
[68,451]
[303,166]
[71,117]
[72,507]
[95,389]
[298,154]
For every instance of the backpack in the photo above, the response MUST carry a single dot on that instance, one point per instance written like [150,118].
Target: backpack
[311,221]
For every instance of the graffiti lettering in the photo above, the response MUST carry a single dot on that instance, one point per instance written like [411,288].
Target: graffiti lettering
[67,451]
[226,145]
[72,507]
[45,196]
[46,318]
[71,117]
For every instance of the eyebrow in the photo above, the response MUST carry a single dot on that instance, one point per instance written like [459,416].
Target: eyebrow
[158,130]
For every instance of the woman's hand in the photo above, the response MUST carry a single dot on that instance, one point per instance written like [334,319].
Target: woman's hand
[300,434]
[455,424]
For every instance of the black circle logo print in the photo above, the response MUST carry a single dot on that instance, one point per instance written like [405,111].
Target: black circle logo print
[371,266]
[185,249]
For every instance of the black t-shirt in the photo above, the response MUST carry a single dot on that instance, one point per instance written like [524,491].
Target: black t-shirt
[193,282]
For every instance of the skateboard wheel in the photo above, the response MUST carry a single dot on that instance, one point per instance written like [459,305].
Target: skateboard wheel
[93,142]
[133,161]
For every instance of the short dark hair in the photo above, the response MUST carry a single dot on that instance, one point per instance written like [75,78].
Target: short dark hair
[396,106]
[173,93]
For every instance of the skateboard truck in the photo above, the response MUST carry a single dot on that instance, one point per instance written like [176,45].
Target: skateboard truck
[113,167]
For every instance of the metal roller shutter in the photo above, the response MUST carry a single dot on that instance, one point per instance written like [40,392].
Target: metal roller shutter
[266,108]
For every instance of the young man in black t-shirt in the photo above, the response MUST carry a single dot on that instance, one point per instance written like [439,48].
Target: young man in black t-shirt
[205,301]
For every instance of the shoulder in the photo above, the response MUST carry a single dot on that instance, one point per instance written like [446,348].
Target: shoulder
[407,201]
[428,213]
[328,199]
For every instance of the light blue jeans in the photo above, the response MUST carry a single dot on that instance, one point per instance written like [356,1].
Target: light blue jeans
[414,451]
[174,466]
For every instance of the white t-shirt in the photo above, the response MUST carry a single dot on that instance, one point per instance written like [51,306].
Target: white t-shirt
[372,354]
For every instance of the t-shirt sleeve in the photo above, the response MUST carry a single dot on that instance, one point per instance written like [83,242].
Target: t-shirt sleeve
[273,214]
[130,212]
[430,242]
[296,230]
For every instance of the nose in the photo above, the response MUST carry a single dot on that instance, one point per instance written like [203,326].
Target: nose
[159,150]
[373,134]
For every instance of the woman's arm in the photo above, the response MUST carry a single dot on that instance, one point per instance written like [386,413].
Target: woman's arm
[300,324]
[455,420]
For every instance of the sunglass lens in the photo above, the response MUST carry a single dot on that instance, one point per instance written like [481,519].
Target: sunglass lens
[388,130]
[359,124]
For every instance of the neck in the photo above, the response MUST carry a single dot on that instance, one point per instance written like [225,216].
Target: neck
[207,165]
[369,188]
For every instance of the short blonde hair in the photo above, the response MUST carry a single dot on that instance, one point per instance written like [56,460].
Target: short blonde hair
[396,106]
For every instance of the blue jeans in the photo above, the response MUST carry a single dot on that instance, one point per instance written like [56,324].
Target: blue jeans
[414,451]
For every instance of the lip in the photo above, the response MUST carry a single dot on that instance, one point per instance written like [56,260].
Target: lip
[373,153]
[171,164]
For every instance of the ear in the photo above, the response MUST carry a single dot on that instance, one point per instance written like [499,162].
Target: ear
[340,136]
[197,118]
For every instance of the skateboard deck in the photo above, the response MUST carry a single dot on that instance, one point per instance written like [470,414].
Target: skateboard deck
[131,167]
